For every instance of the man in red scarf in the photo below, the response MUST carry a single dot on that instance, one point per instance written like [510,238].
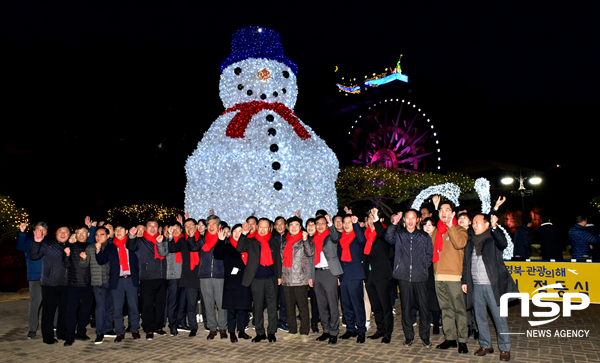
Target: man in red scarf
[326,277]
[448,255]
[279,232]
[123,281]
[263,275]
[350,252]
[153,273]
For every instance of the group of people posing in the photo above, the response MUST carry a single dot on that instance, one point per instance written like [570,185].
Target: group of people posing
[445,262]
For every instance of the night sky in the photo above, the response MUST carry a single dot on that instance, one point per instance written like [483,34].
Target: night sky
[103,101]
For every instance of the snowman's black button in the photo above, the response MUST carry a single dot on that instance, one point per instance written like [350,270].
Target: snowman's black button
[263,96]
[286,74]
[275,94]
[240,86]
[270,118]
[237,71]
[283,90]
[249,93]
[274,148]
[276,166]
[272,132]
[277,186]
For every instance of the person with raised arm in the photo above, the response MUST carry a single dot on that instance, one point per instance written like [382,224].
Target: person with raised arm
[53,281]
[263,275]
[327,270]
[237,298]
[153,273]
[34,272]
[123,281]
[350,252]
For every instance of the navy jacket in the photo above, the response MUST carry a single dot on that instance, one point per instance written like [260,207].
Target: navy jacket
[54,272]
[34,268]
[78,276]
[413,254]
[110,255]
[151,268]
[209,266]
[580,241]
[353,270]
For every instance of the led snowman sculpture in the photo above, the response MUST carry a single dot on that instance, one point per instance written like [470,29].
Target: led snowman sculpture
[258,158]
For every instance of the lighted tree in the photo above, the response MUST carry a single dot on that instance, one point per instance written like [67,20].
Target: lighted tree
[140,213]
[10,218]
[386,187]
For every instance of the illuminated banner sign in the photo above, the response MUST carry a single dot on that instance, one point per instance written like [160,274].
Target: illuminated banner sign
[574,277]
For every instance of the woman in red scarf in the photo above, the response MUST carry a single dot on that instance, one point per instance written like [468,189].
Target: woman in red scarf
[296,275]
[237,299]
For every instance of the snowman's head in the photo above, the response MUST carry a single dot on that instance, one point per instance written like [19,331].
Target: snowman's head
[258,79]
[257,70]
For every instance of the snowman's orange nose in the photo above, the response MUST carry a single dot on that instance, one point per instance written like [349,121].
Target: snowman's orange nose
[264,74]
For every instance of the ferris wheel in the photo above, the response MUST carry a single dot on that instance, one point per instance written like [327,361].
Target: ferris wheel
[398,135]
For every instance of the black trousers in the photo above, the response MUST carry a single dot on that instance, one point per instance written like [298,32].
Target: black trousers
[153,294]
[314,307]
[297,296]
[410,291]
[191,294]
[53,297]
[264,291]
[379,296]
[78,318]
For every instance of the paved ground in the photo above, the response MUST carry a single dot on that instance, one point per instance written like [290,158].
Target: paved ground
[15,347]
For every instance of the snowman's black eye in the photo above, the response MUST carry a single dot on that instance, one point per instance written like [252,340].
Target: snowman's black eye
[283,90]
[240,86]
[285,74]
[237,71]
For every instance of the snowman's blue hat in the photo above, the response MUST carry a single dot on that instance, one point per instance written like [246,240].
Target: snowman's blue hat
[257,42]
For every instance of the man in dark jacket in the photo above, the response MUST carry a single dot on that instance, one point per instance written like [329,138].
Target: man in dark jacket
[581,239]
[413,254]
[153,273]
[280,230]
[523,241]
[378,261]
[123,280]
[34,271]
[79,288]
[350,252]
[485,279]
[53,281]
[263,275]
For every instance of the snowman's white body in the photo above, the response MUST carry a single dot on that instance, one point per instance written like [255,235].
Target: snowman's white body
[235,176]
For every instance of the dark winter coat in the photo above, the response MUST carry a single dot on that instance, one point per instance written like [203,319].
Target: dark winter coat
[150,267]
[110,255]
[491,253]
[378,264]
[235,295]
[522,242]
[209,267]
[188,276]
[78,276]
[99,273]
[253,247]
[549,242]
[413,254]
[54,272]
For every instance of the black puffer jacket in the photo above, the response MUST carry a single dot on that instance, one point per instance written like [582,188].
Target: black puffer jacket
[54,273]
[150,267]
[78,276]
[413,254]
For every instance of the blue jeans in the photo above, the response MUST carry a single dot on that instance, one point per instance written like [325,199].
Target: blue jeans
[483,297]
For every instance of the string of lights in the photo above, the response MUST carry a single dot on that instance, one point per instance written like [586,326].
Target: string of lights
[139,213]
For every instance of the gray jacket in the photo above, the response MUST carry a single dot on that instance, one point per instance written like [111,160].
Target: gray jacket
[173,268]
[99,272]
[330,252]
[301,271]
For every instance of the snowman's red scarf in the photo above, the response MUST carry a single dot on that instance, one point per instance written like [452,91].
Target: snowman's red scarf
[237,125]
